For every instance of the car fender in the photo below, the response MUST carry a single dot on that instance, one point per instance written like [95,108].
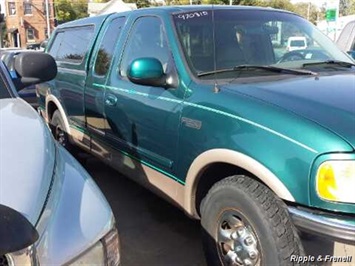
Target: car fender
[76,215]
[235,158]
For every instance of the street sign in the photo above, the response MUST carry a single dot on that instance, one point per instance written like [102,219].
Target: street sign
[332,10]
[331,14]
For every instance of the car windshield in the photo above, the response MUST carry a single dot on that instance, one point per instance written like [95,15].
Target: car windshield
[4,93]
[218,39]
[5,90]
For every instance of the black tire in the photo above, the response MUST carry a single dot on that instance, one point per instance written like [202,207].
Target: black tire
[256,225]
[58,131]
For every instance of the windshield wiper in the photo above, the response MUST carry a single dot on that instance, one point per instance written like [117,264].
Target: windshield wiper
[330,62]
[267,67]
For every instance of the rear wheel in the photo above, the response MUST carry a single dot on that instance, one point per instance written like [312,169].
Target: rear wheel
[244,223]
[58,131]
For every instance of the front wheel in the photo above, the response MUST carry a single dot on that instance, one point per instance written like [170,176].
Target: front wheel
[244,223]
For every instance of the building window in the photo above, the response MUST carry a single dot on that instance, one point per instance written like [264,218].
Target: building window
[30,34]
[27,7]
[12,8]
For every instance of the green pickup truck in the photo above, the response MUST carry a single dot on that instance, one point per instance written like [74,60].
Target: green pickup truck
[205,106]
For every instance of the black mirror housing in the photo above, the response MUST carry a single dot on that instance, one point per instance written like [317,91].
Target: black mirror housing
[33,68]
[16,232]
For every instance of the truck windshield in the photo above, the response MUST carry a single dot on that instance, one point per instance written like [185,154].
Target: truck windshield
[222,39]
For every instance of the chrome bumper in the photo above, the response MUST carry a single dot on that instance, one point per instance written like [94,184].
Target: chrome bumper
[339,228]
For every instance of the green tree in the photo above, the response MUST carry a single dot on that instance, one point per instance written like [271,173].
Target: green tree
[346,7]
[140,3]
[309,11]
[279,4]
[67,10]
[80,8]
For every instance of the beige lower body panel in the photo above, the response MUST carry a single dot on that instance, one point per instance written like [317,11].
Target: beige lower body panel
[159,183]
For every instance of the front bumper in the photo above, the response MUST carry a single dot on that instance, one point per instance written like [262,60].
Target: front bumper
[337,227]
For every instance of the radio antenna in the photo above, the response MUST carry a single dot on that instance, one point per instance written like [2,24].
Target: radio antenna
[216,89]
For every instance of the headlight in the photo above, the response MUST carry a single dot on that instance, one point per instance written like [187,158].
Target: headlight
[335,181]
[104,252]
[26,256]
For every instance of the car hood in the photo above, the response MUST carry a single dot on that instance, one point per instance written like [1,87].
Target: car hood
[27,157]
[326,100]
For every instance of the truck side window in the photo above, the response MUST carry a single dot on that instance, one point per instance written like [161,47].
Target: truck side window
[53,49]
[146,39]
[72,44]
[105,53]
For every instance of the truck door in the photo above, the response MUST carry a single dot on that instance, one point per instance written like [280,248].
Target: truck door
[70,48]
[97,75]
[143,120]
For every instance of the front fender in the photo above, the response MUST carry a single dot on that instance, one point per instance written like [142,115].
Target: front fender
[234,158]
[76,215]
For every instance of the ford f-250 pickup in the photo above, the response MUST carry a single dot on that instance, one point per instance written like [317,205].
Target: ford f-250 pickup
[205,106]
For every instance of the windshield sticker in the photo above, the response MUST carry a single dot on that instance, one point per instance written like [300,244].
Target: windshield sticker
[192,15]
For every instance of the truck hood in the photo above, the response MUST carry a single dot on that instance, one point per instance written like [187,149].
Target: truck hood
[326,100]
[27,157]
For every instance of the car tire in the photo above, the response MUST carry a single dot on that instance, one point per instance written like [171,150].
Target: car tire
[244,223]
[58,131]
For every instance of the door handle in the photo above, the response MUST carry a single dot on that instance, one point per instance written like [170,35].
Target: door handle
[110,100]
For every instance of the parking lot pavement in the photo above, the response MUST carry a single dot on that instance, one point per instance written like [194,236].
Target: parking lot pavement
[153,232]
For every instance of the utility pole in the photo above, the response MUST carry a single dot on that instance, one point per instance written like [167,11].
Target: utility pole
[308,10]
[48,22]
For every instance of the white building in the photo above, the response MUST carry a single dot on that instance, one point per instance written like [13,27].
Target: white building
[112,6]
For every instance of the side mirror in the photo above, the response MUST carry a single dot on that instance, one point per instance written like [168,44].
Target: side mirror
[16,232]
[33,68]
[147,71]
[352,54]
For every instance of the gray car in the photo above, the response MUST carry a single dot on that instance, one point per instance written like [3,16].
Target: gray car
[51,211]
[346,40]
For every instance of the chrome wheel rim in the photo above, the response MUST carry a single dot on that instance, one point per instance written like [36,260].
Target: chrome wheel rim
[236,241]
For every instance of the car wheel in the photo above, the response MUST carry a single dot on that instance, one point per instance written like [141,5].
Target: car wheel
[244,223]
[58,131]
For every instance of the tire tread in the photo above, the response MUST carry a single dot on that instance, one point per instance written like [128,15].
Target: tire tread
[272,207]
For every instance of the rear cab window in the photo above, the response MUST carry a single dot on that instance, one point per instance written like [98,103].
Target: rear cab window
[71,45]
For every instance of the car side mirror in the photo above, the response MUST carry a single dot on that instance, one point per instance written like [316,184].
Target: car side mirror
[352,53]
[16,232]
[147,71]
[33,68]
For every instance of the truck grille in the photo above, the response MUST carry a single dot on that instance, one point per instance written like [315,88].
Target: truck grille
[3,261]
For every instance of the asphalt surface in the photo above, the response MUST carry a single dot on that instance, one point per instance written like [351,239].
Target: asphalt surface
[154,232]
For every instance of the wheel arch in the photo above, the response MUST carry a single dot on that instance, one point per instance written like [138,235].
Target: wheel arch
[53,104]
[202,175]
